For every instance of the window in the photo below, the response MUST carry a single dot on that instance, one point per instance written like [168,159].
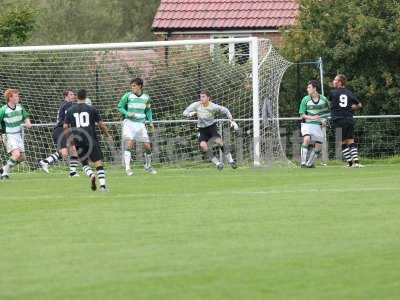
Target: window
[235,53]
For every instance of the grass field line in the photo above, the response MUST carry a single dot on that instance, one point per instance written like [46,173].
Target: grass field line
[183,172]
[212,193]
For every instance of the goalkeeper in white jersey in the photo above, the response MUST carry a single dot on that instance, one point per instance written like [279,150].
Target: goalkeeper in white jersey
[12,117]
[206,111]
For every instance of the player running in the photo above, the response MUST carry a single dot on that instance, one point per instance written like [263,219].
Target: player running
[80,125]
[206,111]
[60,141]
[314,110]
[343,106]
[12,117]
[136,108]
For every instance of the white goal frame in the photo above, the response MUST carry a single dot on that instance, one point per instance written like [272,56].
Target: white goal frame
[253,57]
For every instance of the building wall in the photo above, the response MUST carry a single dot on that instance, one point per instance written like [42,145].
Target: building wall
[275,37]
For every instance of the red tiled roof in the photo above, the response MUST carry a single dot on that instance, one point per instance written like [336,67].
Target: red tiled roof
[224,14]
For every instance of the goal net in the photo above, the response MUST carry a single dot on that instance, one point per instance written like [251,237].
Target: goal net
[243,75]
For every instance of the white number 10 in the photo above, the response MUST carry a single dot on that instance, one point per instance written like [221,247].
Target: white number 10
[82,119]
[343,101]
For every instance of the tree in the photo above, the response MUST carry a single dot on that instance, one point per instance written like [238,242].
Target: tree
[137,18]
[95,21]
[16,24]
[76,21]
[360,38]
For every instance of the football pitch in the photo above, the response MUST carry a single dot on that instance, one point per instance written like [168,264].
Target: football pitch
[325,233]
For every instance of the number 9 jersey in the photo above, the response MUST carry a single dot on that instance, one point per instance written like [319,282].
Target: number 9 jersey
[341,103]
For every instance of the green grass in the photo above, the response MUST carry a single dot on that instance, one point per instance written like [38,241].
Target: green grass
[328,233]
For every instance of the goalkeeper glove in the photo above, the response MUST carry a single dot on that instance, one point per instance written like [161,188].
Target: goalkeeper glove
[234,125]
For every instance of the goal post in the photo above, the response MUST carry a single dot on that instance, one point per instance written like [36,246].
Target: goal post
[242,74]
[256,101]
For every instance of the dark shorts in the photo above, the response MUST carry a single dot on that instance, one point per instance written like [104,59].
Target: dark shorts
[59,139]
[346,126]
[207,133]
[89,151]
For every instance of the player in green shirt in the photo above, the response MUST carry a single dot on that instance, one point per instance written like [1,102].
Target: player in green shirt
[12,117]
[136,108]
[314,110]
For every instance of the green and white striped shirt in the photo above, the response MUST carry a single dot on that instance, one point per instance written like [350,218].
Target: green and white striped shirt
[140,105]
[12,119]
[310,108]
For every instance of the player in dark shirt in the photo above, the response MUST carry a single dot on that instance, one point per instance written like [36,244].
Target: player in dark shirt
[60,140]
[80,126]
[343,106]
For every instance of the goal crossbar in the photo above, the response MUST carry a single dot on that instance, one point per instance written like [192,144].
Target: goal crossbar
[127,45]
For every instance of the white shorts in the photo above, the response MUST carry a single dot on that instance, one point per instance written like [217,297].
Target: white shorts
[314,131]
[135,131]
[14,141]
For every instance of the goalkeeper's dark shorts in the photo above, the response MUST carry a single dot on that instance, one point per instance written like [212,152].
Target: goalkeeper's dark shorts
[59,138]
[88,151]
[345,127]
[208,133]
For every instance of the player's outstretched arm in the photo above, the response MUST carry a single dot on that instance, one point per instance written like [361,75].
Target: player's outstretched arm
[225,111]
[191,110]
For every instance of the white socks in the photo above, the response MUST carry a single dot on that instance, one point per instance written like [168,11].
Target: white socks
[127,159]
[229,158]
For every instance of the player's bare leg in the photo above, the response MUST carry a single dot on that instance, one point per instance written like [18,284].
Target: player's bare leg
[147,159]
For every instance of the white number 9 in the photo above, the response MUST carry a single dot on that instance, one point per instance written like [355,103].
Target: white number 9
[343,101]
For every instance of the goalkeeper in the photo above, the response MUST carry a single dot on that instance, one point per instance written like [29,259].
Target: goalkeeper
[314,110]
[206,111]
